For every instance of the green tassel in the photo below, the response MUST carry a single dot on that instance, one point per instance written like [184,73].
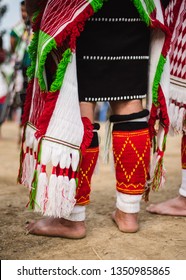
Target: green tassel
[159,169]
[39,151]
[164,143]
[76,182]
[157,178]
[157,78]
[33,191]
[61,69]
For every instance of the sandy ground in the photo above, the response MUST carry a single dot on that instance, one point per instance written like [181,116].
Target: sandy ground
[160,237]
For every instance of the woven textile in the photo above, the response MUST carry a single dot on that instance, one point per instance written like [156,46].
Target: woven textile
[112,63]
[86,169]
[183,152]
[131,157]
[53,137]
[54,133]
[176,17]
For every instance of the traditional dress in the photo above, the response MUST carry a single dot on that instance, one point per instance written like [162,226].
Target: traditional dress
[177,97]
[56,135]
[114,56]
[176,18]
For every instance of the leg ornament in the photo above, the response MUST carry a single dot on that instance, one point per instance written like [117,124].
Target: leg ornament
[182,190]
[87,166]
[131,148]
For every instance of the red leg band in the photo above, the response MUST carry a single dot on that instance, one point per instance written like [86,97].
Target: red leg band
[86,170]
[131,157]
[183,151]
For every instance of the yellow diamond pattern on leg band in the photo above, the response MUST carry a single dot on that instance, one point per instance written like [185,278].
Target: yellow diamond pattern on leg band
[131,151]
[85,174]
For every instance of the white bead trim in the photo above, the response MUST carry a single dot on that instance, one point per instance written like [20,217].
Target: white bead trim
[115,19]
[115,98]
[123,57]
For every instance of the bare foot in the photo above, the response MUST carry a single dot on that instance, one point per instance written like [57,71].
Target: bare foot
[172,207]
[57,227]
[126,222]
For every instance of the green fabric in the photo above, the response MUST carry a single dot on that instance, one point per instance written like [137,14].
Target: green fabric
[61,69]
[50,43]
[37,51]
[46,43]
[157,79]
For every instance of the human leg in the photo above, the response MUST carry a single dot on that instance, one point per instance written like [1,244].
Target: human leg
[131,148]
[175,206]
[74,227]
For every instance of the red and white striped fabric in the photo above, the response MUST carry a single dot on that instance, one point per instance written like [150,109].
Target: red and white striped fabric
[176,18]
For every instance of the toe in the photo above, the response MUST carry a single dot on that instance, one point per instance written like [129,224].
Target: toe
[29,225]
[150,208]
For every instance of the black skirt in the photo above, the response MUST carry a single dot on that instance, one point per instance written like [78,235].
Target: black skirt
[113,54]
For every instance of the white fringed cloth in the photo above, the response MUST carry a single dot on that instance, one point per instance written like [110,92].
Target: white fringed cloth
[176,18]
[54,134]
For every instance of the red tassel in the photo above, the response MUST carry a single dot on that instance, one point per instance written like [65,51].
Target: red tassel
[164,118]
[159,112]
[152,121]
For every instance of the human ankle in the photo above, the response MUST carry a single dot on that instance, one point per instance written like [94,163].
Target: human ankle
[128,203]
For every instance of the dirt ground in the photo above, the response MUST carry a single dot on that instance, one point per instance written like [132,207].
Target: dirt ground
[160,237]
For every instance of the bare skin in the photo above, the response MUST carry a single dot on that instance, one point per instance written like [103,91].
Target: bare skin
[57,227]
[126,107]
[126,222]
[69,229]
[173,207]
[87,110]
